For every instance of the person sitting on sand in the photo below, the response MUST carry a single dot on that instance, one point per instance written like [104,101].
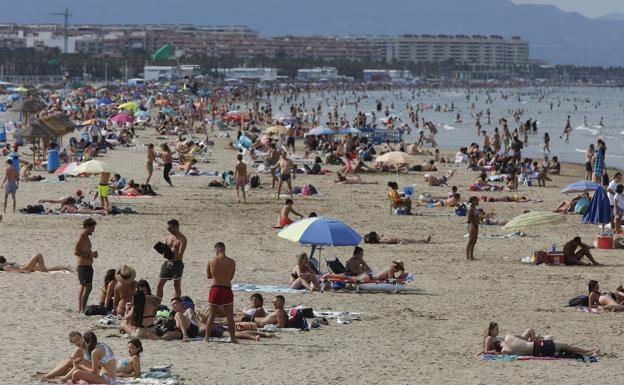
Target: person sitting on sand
[397,200]
[375,239]
[255,309]
[124,290]
[555,167]
[492,342]
[342,179]
[438,180]
[62,369]
[607,300]
[452,201]
[284,216]
[25,173]
[440,159]
[515,346]
[568,205]
[131,189]
[100,366]
[573,257]
[186,323]
[36,264]
[107,293]
[131,367]
[302,276]
[138,321]
[278,317]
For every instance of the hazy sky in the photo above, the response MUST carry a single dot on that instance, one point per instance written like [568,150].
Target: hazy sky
[591,8]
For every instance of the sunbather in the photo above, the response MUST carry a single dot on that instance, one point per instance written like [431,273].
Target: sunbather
[186,323]
[438,180]
[374,238]
[75,338]
[513,345]
[284,216]
[489,219]
[131,367]
[107,293]
[256,309]
[302,276]
[36,263]
[78,196]
[277,317]
[139,319]
[124,290]
[350,180]
[492,342]
[567,205]
[396,270]
[607,300]
[356,266]
[100,366]
[69,207]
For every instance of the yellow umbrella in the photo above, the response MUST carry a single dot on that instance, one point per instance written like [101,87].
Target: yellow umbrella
[279,130]
[20,89]
[130,106]
[396,158]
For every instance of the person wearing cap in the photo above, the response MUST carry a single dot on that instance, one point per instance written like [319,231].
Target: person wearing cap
[125,288]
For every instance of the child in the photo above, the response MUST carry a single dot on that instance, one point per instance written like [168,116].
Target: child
[131,367]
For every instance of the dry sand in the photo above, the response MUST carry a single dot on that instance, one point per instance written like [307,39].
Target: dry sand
[428,336]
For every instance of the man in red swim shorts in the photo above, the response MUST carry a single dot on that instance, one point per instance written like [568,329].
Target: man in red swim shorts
[221,270]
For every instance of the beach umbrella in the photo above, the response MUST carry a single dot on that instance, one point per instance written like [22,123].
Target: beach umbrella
[319,232]
[320,131]
[104,102]
[349,131]
[599,210]
[396,158]
[66,169]
[129,106]
[122,118]
[92,167]
[141,113]
[534,219]
[580,187]
[279,130]
[91,101]
[170,111]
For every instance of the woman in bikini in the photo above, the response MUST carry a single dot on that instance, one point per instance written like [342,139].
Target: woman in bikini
[69,207]
[374,239]
[608,300]
[473,227]
[302,276]
[395,271]
[150,162]
[100,366]
[492,341]
[131,367]
[107,293]
[36,264]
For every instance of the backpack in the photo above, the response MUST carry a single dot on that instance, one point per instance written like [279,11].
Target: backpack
[581,300]
[254,181]
[461,210]
[336,266]
[297,321]
[95,310]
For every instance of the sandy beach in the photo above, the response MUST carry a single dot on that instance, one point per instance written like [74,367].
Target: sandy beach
[430,334]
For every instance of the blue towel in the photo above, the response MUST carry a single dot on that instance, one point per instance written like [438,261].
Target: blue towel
[266,289]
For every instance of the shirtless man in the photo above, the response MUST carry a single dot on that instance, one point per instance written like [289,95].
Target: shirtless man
[104,190]
[11,183]
[284,217]
[290,141]
[85,257]
[513,345]
[240,177]
[271,163]
[221,270]
[124,289]
[278,317]
[172,269]
[286,167]
[573,257]
[150,162]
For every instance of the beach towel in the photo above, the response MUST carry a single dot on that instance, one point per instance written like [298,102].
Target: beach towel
[587,309]
[517,234]
[266,289]
[496,357]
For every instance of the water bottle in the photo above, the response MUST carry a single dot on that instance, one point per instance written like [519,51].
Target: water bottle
[553,248]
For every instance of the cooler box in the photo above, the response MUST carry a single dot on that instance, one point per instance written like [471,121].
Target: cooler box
[604,241]
[554,258]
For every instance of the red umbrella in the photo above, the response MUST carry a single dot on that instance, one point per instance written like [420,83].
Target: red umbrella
[122,118]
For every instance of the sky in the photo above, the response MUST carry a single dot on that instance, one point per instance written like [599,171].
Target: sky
[590,8]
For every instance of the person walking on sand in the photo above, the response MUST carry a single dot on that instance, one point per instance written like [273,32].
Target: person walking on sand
[286,168]
[240,177]
[221,270]
[167,158]
[173,269]
[85,255]
[473,228]
[150,162]
[10,183]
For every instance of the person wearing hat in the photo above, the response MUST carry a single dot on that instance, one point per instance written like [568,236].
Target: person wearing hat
[124,290]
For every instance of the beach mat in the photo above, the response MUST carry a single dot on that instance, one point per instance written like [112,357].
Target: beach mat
[247,287]
[496,357]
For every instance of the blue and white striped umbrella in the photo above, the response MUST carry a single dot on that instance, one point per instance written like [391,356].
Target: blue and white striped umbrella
[581,186]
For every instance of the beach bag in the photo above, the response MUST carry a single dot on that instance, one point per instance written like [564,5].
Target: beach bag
[297,321]
[336,266]
[95,310]
[254,181]
[581,206]
[581,300]
[461,210]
